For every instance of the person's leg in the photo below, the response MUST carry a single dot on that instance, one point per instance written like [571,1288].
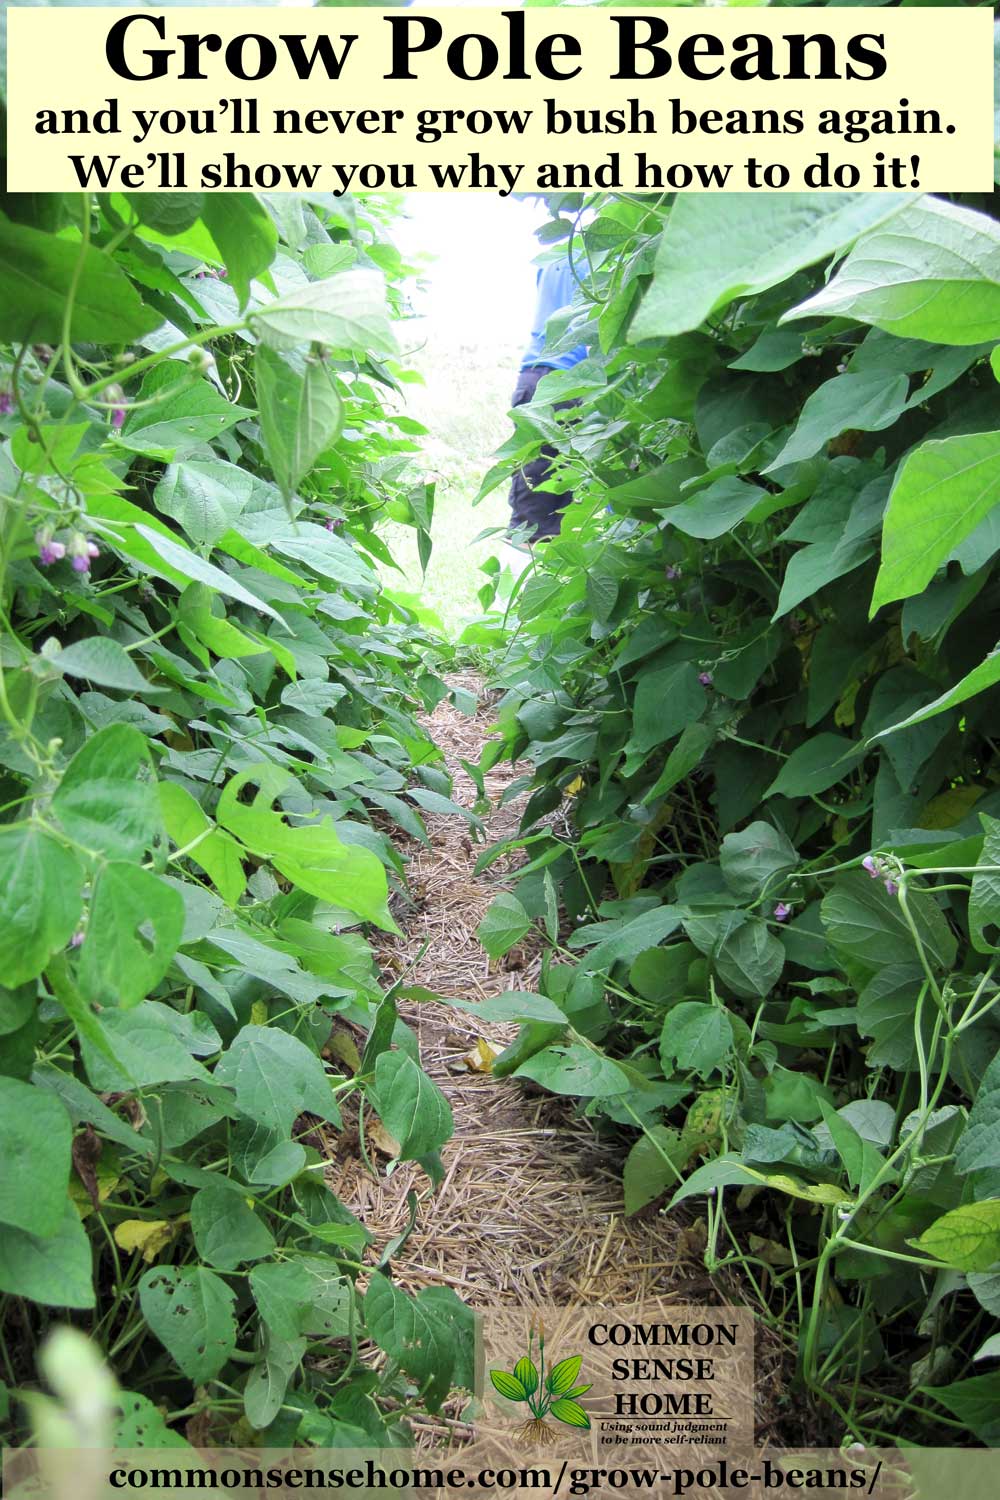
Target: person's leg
[531,507]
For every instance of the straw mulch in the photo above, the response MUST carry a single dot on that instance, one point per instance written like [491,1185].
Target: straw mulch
[531,1209]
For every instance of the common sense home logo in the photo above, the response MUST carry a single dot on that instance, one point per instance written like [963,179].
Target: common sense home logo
[548,1392]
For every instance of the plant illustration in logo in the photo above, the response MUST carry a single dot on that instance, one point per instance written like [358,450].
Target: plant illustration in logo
[548,1394]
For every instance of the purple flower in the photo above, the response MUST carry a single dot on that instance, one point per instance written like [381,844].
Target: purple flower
[6,403]
[80,564]
[868,863]
[706,679]
[77,939]
[891,887]
[49,550]
[673,573]
[82,551]
[782,912]
[118,418]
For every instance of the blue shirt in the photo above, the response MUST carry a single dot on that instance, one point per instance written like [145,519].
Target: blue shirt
[555,290]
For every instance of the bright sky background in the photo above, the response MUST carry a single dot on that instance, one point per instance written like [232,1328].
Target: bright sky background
[481,281]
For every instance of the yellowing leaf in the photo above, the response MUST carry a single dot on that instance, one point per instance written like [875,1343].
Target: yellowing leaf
[480,1059]
[575,786]
[149,1236]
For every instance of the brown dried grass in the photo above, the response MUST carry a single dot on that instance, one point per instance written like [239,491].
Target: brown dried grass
[531,1209]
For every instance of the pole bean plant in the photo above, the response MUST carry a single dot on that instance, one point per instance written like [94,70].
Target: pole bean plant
[757,683]
[208,738]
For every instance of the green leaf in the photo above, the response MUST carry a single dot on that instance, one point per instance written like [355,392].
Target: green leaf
[413,1331]
[512,1005]
[932,272]
[205,498]
[716,509]
[276,1077]
[975,1402]
[41,898]
[506,922]
[215,852]
[984,897]
[666,702]
[100,659]
[197,570]
[268,1381]
[695,1036]
[866,401]
[135,926]
[941,493]
[35,1141]
[562,1376]
[570,1412]
[245,234]
[750,959]
[410,1105]
[715,248]
[227,1232]
[575,1069]
[313,857]
[816,765]
[190,1310]
[526,1371]
[38,272]
[346,311]
[56,1271]
[967,1238]
[979,1145]
[178,421]
[107,799]
[866,923]
[756,860]
[509,1385]
[986,675]
[135,1049]
[301,414]
[648,1171]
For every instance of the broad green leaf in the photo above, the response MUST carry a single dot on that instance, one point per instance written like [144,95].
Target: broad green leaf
[975,1402]
[866,401]
[715,248]
[666,701]
[41,899]
[984,897]
[312,856]
[728,1171]
[526,1371]
[756,860]
[412,1331]
[245,234]
[410,1105]
[696,1037]
[38,270]
[346,311]
[967,1238]
[144,1050]
[986,675]
[179,420]
[509,1385]
[215,851]
[979,1145]
[575,1069]
[197,570]
[512,1005]
[941,493]
[276,1077]
[750,959]
[506,922]
[301,413]
[932,272]
[100,659]
[135,926]
[106,800]
[866,923]
[570,1412]
[56,1271]
[35,1140]
[651,1167]
[562,1376]
[715,509]
[227,1232]
[190,1310]
[268,1381]
[204,497]
[816,765]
